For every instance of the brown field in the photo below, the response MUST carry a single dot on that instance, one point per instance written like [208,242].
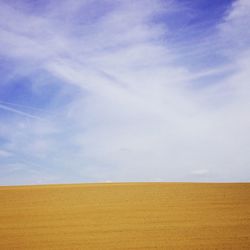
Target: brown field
[125,216]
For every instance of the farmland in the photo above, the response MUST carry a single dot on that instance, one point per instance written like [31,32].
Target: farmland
[126,216]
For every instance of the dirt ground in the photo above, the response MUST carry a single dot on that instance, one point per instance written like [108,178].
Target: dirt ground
[125,216]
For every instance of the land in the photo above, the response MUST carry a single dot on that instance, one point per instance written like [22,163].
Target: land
[126,216]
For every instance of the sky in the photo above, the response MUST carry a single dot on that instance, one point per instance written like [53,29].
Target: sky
[125,90]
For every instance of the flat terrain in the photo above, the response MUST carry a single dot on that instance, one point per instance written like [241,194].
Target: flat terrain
[125,216]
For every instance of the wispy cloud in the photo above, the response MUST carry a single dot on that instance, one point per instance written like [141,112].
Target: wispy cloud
[4,153]
[148,103]
[16,111]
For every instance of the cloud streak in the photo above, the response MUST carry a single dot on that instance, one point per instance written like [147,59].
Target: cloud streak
[16,111]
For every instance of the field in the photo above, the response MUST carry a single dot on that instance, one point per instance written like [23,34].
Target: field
[125,216]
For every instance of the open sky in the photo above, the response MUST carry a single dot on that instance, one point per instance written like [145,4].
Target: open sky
[124,90]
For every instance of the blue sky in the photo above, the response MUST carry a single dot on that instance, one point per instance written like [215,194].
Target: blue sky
[96,91]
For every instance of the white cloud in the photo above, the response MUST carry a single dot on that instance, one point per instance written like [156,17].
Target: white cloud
[14,110]
[138,115]
[200,172]
[4,153]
